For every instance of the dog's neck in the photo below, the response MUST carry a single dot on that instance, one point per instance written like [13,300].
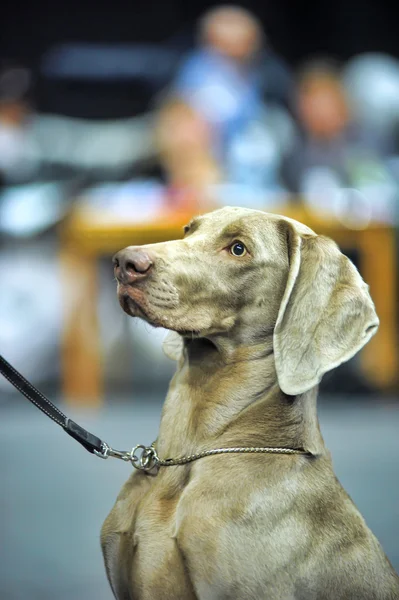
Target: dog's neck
[207,408]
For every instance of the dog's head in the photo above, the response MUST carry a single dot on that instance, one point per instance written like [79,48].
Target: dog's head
[249,275]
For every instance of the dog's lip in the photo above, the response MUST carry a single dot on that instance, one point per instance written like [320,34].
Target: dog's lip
[138,311]
[127,302]
[127,299]
[132,299]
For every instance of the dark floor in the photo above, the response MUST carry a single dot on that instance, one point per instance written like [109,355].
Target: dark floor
[54,496]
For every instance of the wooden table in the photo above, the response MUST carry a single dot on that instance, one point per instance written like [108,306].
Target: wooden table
[85,237]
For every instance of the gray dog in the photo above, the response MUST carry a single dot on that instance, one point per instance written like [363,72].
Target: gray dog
[259,308]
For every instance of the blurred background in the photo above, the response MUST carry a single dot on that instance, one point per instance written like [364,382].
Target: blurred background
[117,124]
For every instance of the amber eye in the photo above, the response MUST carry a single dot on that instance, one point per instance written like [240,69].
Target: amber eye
[238,249]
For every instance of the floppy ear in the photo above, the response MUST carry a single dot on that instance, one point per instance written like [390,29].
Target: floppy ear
[173,345]
[326,314]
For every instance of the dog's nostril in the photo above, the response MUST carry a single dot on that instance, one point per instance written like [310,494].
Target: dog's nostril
[130,266]
[138,263]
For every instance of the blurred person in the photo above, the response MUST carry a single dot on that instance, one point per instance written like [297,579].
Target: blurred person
[372,83]
[221,82]
[17,153]
[338,163]
[183,140]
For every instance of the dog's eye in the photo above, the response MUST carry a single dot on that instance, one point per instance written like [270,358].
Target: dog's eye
[238,249]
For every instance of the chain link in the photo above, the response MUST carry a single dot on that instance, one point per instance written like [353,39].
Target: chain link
[246,450]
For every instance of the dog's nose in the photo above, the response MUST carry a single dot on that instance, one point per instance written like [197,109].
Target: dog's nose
[131,264]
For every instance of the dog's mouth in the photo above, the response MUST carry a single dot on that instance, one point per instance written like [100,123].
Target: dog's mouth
[131,298]
[130,306]
[134,303]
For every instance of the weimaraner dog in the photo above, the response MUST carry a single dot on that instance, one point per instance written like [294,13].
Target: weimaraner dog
[260,307]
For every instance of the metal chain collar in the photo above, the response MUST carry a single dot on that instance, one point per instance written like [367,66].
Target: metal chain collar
[145,458]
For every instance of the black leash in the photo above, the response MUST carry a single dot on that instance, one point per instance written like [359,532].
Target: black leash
[141,457]
[89,441]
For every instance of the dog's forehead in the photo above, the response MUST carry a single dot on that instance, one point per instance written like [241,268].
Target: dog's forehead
[234,219]
[257,222]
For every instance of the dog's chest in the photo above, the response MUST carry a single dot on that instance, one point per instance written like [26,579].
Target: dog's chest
[157,569]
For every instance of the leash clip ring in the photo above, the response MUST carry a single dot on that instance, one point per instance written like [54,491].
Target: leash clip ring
[144,458]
